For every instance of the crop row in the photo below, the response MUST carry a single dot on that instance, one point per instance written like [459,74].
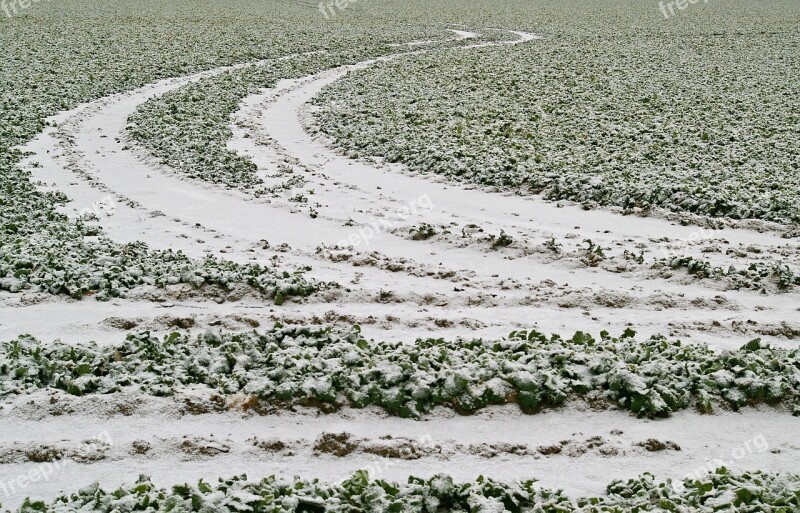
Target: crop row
[103,269]
[755,276]
[189,128]
[328,369]
[695,124]
[721,490]
[42,250]
[59,55]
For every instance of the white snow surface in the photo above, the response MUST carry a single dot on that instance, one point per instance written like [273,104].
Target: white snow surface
[766,438]
[445,288]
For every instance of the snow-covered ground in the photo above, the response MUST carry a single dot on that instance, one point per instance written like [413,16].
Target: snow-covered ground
[593,447]
[449,286]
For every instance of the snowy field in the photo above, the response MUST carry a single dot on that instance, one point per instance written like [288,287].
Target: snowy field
[399,256]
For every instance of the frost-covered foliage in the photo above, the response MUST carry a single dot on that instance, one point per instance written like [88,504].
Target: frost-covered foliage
[756,276]
[320,367]
[722,490]
[188,129]
[104,270]
[57,55]
[702,119]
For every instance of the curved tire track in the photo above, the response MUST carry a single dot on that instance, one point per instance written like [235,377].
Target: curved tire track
[480,284]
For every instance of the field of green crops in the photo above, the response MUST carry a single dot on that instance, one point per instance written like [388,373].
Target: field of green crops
[493,226]
[297,366]
[700,120]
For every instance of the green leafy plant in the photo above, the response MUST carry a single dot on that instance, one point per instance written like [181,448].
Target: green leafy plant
[749,492]
[650,378]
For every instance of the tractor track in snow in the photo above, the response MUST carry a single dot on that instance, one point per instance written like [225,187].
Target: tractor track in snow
[434,284]
[575,448]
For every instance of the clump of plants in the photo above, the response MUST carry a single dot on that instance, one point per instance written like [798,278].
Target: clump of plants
[314,366]
[423,231]
[593,254]
[746,492]
[102,269]
[500,241]
[757,275]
